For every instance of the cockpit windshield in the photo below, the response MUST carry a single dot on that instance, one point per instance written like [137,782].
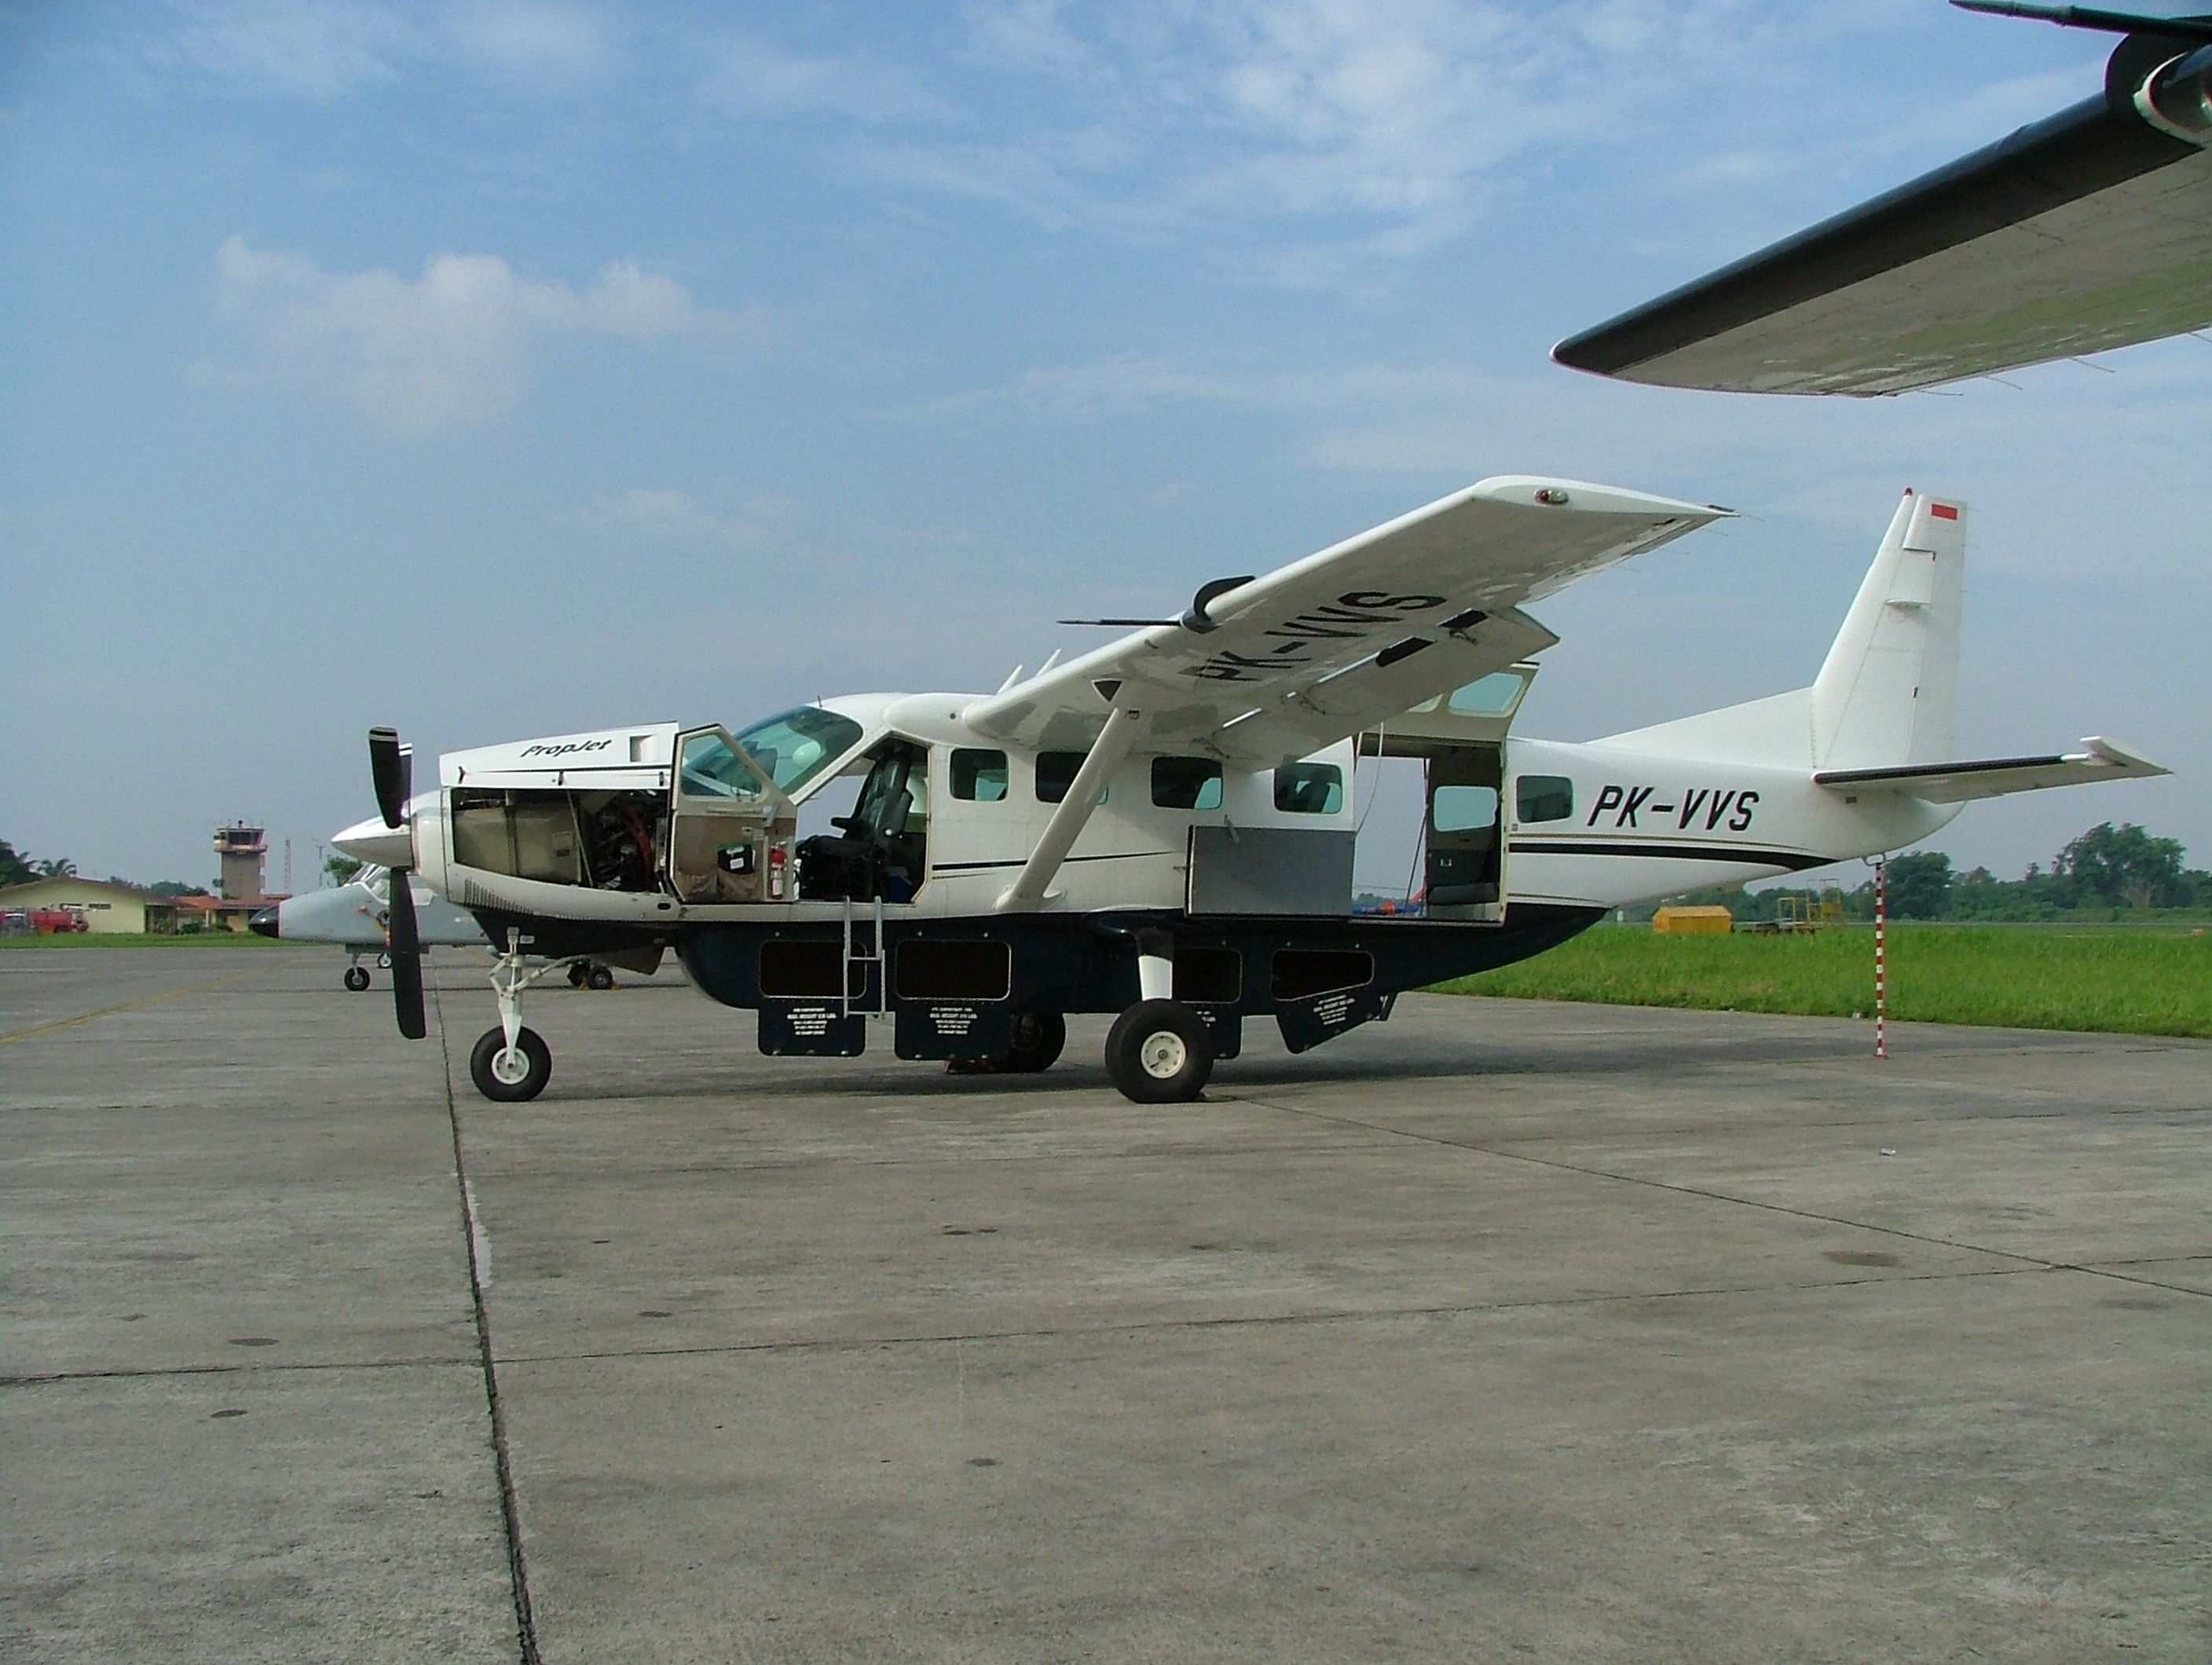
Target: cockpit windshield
[794,746]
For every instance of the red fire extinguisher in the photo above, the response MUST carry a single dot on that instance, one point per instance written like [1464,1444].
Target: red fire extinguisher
[776,873]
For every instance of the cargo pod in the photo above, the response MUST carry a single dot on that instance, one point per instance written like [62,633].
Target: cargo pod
[730,828]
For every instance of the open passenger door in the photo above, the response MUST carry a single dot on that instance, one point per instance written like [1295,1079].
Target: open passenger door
[1461,736]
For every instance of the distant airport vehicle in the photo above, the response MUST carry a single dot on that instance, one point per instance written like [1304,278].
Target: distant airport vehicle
[356,916]
[1164,828]
[2089,230]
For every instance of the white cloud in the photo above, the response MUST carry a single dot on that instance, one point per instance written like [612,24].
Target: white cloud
[328,47]
[531,40]
[756,79]
[453,346]
[310,49]
[1332,144]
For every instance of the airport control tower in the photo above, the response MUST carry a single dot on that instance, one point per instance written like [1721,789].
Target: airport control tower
[243,851]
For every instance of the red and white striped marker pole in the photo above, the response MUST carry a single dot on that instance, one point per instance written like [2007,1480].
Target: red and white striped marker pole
[1881,966]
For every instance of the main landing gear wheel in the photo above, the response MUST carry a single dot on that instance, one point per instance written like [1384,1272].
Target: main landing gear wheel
[509,1078]
[576,974]
[1038,1037]
[1159,1052]
[599,977]
[357,978]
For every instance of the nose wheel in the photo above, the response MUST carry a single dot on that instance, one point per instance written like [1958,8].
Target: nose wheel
[1159,1052]
[510,1075]
[510,1063]
[357,978]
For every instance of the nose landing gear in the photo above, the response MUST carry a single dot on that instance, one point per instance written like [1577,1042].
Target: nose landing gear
[510,1063]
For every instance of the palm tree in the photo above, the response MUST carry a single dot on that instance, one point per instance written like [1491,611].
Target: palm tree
[56,868]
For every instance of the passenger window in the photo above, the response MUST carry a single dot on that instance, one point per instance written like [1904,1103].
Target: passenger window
[1309,789]
[1186,783]
[1055,774]
[1463,809]
[978,776]
[1544,797]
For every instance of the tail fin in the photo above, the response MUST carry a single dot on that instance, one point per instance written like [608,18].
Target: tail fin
[1888,689]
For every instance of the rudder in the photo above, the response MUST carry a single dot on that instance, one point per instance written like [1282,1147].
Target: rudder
[1887,692]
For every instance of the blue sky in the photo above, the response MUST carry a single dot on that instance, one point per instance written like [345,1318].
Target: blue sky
[497,368]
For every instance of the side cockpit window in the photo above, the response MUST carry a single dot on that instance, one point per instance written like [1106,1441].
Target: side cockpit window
[710,769]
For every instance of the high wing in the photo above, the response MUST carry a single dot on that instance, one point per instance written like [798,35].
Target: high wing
[1962,783]
[2090,230]
[1269,669]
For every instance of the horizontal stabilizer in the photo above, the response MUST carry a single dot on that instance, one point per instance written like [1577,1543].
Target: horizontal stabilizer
[1961,783]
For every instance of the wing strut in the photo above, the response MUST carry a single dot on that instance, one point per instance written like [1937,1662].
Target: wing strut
[1068,821]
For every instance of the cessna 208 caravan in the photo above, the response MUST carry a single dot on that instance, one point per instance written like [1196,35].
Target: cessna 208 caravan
[1163,827]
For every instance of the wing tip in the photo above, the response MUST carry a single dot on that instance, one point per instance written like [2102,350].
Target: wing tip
[1589,496]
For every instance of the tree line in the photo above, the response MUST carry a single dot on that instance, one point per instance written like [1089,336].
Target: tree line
[2112,871]
[21,867]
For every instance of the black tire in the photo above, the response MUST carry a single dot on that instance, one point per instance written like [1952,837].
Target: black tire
[577,973]
[1038,1037]
[599,977]
[537,1057]
[1159,1053]
[357,978]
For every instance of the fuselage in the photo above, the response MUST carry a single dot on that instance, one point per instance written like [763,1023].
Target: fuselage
[1576,824]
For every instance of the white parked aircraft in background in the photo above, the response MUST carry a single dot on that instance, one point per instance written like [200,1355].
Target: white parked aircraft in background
[356,916]
[1164,828]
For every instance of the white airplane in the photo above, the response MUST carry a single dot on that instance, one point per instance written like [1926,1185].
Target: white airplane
[356,916]
[1164,828]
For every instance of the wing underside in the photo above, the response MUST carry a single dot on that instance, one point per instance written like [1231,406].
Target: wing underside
[1964,782]
[1280,666]
[2088,231]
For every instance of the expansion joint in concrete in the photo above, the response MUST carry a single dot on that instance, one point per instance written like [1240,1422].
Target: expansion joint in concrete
[518,1561]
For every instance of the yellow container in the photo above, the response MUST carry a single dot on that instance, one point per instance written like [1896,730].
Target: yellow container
[1714,921]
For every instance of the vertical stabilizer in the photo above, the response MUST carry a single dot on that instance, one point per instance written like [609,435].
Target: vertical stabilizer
[1888,689]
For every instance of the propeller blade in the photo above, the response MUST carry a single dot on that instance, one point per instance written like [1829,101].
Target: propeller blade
[389,768]
[406,959]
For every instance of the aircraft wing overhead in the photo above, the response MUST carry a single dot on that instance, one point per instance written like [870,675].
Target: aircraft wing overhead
[1273,668]
[2090,230]
[1961,783]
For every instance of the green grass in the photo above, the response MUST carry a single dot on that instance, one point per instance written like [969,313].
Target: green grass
[2116,981]
[130,940]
